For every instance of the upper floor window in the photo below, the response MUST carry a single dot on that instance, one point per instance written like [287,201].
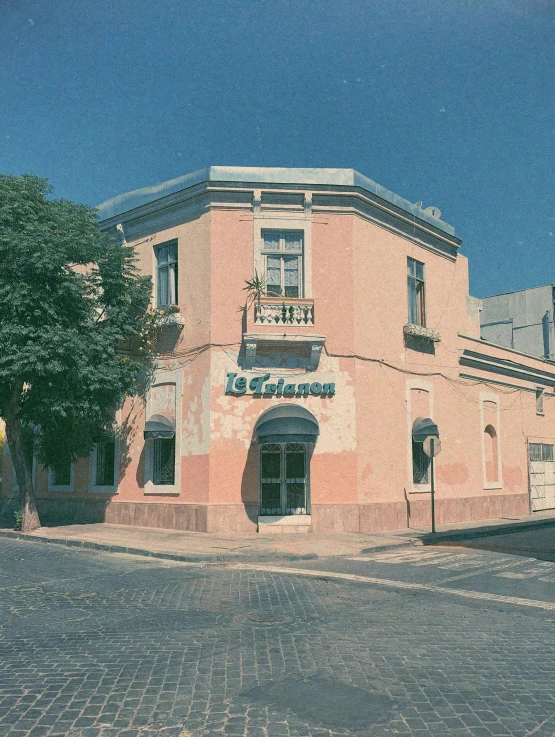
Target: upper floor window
[283,256]
[417,303]
[539,400]
[166,274]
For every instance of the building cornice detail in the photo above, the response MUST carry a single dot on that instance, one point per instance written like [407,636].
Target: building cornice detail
[173,209]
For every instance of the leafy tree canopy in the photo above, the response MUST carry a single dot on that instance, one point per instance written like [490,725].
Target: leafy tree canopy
[70,297]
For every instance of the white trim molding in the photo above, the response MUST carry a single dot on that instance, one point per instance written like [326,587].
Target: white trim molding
[493,398]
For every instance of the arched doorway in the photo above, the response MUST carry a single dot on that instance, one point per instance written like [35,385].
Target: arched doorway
[286,436]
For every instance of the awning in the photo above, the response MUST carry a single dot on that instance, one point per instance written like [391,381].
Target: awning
[288,423]
[159,426]
[423,428]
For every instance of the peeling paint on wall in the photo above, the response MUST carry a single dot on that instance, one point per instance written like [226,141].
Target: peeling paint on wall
[196,422]
[162,398]
[234,417]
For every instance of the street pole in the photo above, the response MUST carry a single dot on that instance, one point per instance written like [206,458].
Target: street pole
[432,487]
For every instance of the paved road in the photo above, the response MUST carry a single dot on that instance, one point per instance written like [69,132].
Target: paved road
[443,641]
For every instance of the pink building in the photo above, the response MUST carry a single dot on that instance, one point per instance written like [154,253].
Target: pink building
[300,410]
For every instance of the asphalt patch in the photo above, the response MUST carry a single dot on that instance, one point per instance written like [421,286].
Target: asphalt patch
[321,701]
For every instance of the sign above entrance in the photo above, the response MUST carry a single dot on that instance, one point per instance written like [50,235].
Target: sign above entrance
[264,385]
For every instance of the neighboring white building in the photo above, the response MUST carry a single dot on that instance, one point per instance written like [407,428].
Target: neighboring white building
[523,320]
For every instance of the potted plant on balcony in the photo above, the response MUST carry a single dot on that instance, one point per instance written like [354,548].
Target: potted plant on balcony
[168,310]
[255,289]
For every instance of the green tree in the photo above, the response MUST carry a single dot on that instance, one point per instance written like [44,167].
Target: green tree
[70,299]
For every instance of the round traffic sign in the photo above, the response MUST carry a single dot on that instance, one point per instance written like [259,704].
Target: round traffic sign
[427,445]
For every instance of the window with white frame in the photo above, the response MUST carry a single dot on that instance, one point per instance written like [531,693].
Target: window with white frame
[60,477]
[166,274]
[163,461]
[416,292]
[104,460]
[283,256]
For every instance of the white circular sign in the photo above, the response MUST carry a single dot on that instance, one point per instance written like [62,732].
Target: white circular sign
[427,445]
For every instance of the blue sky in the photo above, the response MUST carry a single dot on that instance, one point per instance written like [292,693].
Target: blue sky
[446,101]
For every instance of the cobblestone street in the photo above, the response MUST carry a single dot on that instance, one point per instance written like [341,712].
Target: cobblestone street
[98,645]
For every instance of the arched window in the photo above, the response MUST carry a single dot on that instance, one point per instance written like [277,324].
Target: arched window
[491,456]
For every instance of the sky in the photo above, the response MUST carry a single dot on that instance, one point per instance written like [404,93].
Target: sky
[451,102]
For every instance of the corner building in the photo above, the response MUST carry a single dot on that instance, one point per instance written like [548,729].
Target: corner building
[295,410]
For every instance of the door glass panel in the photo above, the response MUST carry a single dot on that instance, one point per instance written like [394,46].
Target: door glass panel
[295,482]
[296,498]
[294,463]
[271,463]
[271,498]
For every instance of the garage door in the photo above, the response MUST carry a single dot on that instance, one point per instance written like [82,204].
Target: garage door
[542,476]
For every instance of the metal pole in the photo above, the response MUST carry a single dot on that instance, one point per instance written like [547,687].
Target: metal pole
[432,487]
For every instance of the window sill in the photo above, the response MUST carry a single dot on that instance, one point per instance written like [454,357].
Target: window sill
[165,321]
[489,485]
[421,489]
[60,489]
[161,490]
[419,331]
[103,489]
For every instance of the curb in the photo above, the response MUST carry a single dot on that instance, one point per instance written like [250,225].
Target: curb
[183,558]
[495,530]
[411,542]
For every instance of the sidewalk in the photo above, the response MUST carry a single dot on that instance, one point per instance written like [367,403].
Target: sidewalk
[213,548]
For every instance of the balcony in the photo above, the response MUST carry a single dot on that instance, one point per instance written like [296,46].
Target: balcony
[420,332]
[169,317]
[285,325]
[283,311]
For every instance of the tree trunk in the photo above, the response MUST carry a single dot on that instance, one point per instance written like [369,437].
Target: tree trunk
[23,471]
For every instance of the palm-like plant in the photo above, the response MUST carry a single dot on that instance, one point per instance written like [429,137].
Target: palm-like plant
[255,288]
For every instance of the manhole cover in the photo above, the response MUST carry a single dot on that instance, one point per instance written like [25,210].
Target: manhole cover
[263,619]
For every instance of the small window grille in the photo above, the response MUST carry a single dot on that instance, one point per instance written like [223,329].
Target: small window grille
[164,461]
[420,464]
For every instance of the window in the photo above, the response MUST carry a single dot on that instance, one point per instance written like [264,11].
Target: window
[541,452]
[420,464]
[283,256]
[163,465]
[417,303]
[104,462]
[166,274]
[60,478]
[539,401]
[491,455]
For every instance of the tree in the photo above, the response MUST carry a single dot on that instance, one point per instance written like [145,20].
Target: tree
[70,298]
